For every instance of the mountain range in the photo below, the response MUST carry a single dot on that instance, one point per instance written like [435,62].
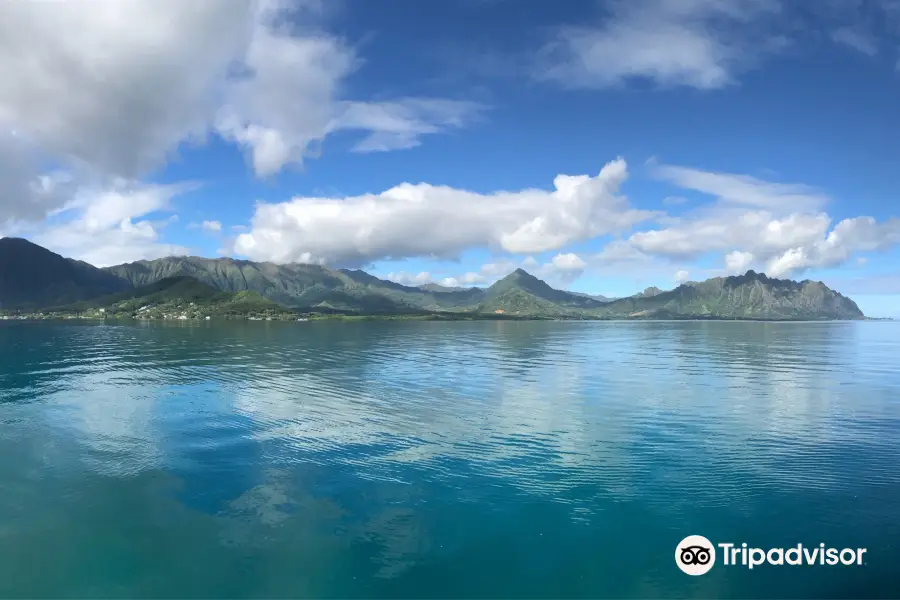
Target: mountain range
[33,278]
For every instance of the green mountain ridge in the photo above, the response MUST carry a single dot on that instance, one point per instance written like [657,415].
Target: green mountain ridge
[749,296]
[173,297]
[229,284]
[34,277]
[296,285]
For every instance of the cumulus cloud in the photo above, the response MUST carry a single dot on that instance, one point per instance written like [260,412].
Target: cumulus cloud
[112,89]
[755,223]
[568,262]
[758,230]
[682,276]
[288,99]
[114,84]
[859,234]
[105,226]
[695,43]
[436,221]
[563,269]
[284,99]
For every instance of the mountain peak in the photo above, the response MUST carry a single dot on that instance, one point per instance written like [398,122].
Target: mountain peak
[751,274]
[28,250]
[32,276]
[520,274]
[520,278]
[17,241]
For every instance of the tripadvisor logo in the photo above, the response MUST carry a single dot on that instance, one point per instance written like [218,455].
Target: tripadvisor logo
[696,555]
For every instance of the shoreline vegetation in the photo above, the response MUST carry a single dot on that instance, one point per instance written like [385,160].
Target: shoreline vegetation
[36,284]
[312,316]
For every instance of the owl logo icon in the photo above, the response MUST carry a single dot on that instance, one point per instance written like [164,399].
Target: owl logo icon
[695,555]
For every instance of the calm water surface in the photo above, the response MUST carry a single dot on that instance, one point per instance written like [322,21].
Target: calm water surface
[493,459]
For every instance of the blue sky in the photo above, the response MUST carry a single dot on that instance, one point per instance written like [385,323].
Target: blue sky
[423,141]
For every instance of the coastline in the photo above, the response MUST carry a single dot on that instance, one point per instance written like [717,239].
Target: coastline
[319,317]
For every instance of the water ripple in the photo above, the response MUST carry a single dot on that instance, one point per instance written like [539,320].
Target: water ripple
[666,419]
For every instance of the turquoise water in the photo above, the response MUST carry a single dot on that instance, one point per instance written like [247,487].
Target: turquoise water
[495,459]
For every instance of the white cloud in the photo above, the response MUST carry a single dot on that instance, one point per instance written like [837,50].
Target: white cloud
[859,234]
[682,276]
[560,271]
[568,262]
[211,226]
[106,228]
[398,125]
[434,221]
[695,43]
[469,279]
[743,190]
[27,193]
[704,44]
[289,100]
[786,238]
[759,230]
[486,274]
[466,280]
[857,40]
[115,85]
[285,99]
[738,262]
[112,89]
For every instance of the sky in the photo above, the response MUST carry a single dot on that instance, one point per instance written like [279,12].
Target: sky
[604,146]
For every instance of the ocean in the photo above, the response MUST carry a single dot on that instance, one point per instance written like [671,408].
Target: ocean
[445,459]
